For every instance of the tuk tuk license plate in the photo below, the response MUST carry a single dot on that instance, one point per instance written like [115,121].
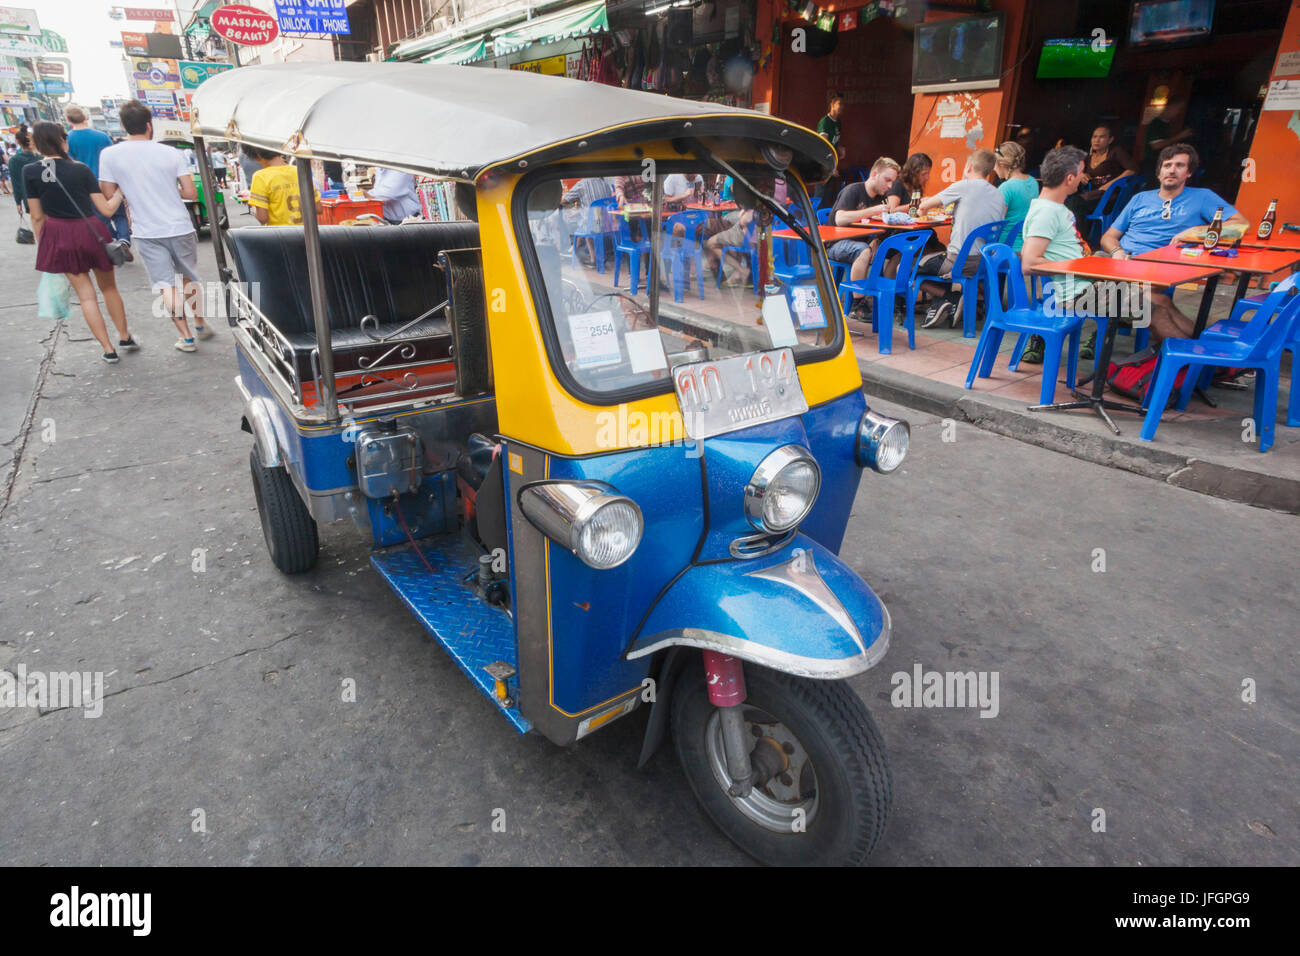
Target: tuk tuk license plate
[733,393]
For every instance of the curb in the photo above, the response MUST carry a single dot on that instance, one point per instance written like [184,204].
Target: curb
[1193,474]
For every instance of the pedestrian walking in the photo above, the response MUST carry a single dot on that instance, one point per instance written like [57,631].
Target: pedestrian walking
[84,145]
[148,173]
[60,193]
[218,163]
[18,160]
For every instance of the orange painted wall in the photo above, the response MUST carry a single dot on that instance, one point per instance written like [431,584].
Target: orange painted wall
[992,106]
[1276,145]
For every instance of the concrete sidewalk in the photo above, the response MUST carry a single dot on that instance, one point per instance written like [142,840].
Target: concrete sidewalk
[1203,449]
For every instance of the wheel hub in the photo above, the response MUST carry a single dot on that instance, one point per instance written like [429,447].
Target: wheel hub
[784,781]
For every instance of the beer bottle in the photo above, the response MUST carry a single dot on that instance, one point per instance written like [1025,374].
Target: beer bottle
[914,210]
[1266,224]
[1216,227]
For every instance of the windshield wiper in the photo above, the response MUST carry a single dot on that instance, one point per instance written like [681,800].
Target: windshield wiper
[704,153]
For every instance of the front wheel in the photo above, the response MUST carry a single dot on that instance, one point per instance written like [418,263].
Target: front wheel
[827,805]
[287,525]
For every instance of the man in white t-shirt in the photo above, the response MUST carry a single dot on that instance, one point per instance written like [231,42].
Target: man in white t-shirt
[156,180]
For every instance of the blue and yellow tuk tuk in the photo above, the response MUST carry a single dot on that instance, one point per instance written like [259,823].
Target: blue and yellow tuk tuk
[603,435]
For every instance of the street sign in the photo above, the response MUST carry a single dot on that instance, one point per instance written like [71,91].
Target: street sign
[19,20]
[135,44]
[52,86]
[50,68]
[193,74]
[156,75]
[20,46]
[53,42]
[313,16]
[149,13]
[9,71]
[15,101]
[248,26]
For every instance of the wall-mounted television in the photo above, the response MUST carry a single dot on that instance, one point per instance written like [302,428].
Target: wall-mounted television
[1170,21]
[960,53]
[1076,58]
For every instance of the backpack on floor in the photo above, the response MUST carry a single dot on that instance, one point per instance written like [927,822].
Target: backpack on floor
[1132,377]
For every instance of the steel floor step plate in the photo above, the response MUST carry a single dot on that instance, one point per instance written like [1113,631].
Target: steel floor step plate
[475,634]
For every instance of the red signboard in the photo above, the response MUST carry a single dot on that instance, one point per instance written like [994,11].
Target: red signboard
[245,25]
[48,68]
[135,44]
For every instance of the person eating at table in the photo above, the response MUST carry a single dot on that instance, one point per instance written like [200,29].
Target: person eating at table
[857,201]
[912,178]
[1154,218]
[978,204]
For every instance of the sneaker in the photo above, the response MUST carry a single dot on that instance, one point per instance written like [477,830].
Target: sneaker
[1088,350]
[110,358]
[941,311]
[128,344]
[861,311]
[186,345]
[204,331]
[1033,353]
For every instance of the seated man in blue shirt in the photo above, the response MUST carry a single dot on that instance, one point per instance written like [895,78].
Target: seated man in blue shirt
[1152,219]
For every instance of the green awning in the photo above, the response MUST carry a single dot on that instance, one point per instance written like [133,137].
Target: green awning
[573,22]
[467,51]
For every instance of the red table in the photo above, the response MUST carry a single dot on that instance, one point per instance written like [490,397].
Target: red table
[1278,240]
[718,207]
[1247,262]
[833,233]
[1117,270]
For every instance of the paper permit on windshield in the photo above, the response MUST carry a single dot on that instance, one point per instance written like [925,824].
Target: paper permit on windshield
[645,350]
[779,323]
[595,340]
[807,302]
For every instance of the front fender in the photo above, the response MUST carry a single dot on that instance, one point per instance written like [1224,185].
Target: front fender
[805,613]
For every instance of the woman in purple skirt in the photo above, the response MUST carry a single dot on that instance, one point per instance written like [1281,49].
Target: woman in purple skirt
[62,194]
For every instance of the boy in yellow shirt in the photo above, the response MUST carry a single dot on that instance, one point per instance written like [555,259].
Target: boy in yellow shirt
[273,193]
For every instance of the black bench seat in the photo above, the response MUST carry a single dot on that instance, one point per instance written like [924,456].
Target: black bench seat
[384,271]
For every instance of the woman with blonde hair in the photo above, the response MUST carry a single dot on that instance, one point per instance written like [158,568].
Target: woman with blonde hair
[1018,189]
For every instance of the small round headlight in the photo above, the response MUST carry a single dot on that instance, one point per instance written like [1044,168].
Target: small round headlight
[608,536]
[782,490]
[600,526]
[882,442]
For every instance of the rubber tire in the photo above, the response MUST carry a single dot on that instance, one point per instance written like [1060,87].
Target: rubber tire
[848,753]
[287,525]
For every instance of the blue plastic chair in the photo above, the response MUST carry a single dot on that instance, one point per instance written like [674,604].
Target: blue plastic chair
[595,226]
[1108,208]
[681,252]
[1259,346]
[824,215]
[1056,330]
[746,248]
[790,262]
[986,233]
[883,291]
[1232,326]
[634,249]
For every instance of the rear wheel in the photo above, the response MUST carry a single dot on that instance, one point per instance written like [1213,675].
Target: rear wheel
[828,804]
[287,525]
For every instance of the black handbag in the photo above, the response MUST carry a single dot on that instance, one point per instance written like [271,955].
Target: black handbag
[25,236]
[117,250]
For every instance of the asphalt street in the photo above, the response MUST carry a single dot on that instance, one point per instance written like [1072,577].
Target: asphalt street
[1120,690]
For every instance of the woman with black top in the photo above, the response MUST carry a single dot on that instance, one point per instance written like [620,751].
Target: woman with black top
[61,194]
[17,162]
[912,179]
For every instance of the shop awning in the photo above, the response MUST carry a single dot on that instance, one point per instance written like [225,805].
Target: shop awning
[467,51]
[574,22]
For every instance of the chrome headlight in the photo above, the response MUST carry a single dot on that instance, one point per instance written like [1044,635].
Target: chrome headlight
[882,442]
[782,490]
[598,525]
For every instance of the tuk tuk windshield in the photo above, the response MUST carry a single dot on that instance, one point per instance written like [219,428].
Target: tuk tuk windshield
[627,304]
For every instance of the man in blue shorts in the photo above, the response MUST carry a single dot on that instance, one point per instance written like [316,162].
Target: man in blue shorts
[1152,219]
